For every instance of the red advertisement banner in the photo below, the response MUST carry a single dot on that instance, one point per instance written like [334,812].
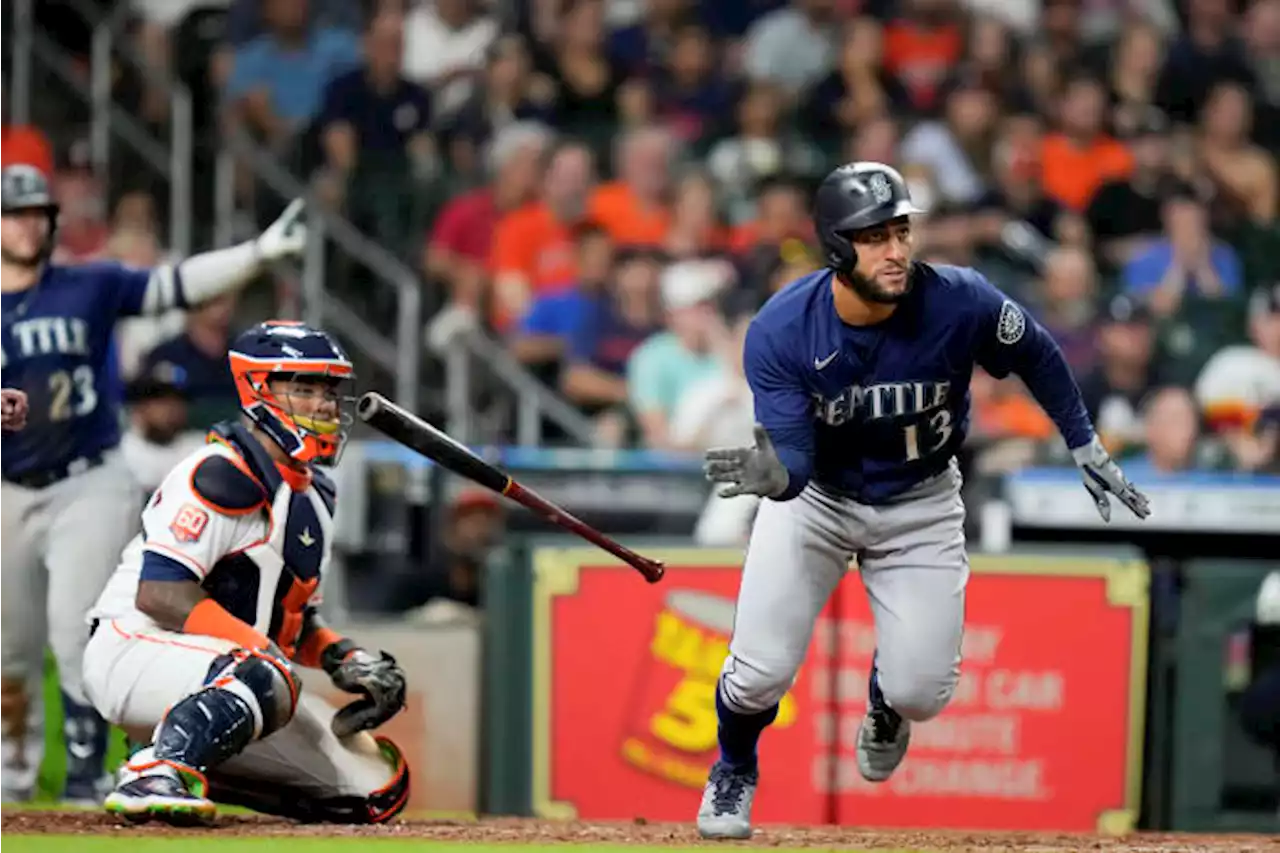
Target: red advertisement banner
[1044,731]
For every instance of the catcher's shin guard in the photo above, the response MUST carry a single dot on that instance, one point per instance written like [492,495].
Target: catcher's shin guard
[271,798]
[249,696]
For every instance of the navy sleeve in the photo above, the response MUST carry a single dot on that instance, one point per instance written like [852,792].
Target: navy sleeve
[158,567]
[782,406]
[1009,340]
[123,288]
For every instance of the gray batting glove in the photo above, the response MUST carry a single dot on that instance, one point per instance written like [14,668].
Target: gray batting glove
[749,470]
[1102,475]
[287,236]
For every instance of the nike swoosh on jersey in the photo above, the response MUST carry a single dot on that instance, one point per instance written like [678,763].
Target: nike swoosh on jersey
[820,363]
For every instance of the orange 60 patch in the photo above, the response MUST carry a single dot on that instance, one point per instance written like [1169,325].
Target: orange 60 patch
[189,524]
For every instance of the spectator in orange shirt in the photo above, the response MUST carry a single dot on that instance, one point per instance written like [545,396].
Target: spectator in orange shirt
[533,250]
[921,47]
[635,209]
[1081,157]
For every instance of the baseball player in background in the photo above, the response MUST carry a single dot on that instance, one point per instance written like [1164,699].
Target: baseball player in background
[860,375]
[195,640]
[69,504]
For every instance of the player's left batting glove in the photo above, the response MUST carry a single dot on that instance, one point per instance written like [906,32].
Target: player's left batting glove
[379,680]
[1102,475]
[749,470]
[285,237]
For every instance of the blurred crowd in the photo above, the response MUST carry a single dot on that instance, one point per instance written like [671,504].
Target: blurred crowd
[613,187]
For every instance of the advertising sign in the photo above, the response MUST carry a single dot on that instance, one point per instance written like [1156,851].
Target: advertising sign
[1044,731]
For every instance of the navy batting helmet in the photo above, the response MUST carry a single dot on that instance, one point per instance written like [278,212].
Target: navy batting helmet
[24,187]
[853,197]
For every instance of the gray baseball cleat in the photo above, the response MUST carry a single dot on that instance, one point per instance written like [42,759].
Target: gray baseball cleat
[883,737]
[726,802]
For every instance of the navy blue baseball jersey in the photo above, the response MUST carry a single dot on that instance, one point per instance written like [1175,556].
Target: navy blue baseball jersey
[870,411]
[56,344]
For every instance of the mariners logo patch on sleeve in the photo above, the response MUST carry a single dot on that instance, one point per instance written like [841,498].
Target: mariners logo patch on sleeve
[189,524]
[1012,324]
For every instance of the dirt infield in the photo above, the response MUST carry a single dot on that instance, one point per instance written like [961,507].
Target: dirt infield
[516,831]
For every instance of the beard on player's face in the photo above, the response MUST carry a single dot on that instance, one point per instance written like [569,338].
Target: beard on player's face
[872,289]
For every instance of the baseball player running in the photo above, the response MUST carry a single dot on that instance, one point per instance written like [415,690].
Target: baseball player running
[69,504]
[860,375]
[195,640]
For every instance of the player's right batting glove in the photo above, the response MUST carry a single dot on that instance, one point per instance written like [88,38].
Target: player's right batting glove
[381,683]
[1102,476]
[752,470]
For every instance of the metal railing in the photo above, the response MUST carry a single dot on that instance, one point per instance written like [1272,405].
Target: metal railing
[403,358]
[401,354]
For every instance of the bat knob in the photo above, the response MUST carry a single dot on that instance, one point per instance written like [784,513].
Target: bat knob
[369,405]
[655,571]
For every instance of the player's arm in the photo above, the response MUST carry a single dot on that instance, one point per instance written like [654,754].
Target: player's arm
[193,521]
[780,463]
[202,277]
[1011,341]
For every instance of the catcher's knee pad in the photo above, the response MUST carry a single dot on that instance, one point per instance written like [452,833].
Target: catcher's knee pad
[377,806]
[247,695]
[266,684]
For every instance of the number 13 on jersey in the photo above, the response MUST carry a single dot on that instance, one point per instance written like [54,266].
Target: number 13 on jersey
[928,436]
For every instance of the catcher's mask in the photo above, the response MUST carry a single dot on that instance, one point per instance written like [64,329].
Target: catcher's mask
[294,384]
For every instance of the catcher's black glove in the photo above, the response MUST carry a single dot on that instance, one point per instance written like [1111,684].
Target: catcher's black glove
[381,683]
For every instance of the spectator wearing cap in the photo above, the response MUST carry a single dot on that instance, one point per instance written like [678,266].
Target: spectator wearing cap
[1080,157]
[1186,261]
[458,249]
[196,360]
[277,81]
[1240,381]
[158,436]
[665,365]
[533,251]
[1125,373]
[614,323]
[473,526]
[1124,215]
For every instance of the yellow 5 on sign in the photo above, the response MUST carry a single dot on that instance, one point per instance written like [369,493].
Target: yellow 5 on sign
[688,721]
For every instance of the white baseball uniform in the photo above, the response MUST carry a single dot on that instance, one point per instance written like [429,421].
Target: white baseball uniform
[262,563]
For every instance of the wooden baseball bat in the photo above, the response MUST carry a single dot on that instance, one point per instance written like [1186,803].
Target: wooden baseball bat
[418,435]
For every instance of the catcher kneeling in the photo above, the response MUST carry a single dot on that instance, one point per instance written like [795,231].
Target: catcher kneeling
[196,637]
